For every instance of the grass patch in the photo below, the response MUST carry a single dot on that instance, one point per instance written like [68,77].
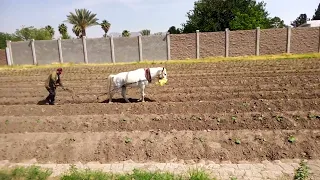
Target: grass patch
[186,61]
[37,173]
[25,173]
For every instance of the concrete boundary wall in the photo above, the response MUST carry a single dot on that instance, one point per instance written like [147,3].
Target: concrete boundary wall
[166,47]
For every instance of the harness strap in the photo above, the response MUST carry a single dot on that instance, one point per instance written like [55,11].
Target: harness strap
[147,74]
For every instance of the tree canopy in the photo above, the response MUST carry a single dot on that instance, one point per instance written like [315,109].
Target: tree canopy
[126,33]
[217,15]
[6,36]
[28,33]
[303,18]
[316,15]
[145,32]
[82,18]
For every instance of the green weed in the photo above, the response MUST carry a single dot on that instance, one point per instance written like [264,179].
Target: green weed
[302,173]
[26,173]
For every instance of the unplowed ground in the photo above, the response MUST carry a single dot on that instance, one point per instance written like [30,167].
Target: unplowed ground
[199,115]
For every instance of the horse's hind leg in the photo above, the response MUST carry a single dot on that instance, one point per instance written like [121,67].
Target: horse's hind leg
[110,96]
[124,94]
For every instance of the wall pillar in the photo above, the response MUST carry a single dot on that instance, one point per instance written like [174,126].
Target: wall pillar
[227,43]
[288,39]
[140,48]
[33,52]
[168,46]
[112,49]
[60,50]
[198,44]
[258,41]
[10,53]
[85,53]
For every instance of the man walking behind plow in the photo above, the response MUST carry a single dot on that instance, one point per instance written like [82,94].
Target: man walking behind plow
[51,84]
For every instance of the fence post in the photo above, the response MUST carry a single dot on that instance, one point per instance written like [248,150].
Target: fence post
[288,39]
[168,46]
[33,52]
[112,49]
[258,41]
[8,56]
[140,47]
[10,52]
[227,42]
[198,44]
[60,50]
[85,53]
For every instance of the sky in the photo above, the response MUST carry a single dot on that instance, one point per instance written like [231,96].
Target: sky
[132,15]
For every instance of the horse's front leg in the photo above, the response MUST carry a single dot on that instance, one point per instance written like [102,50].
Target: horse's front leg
[124,94]
[142,88]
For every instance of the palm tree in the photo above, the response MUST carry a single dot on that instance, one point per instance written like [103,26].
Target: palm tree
[50,30]
[105,25]
[145,32]
[77,31]
[63,30]
[125,33]
[83,19]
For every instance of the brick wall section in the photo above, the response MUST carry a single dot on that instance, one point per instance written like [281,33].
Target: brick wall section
[212,44]
[3,57]
[242,43]
[183,46]
[273,41]
[304,40]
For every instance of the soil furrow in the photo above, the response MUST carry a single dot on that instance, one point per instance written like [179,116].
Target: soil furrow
[226,106]
[160,146]
[294,120]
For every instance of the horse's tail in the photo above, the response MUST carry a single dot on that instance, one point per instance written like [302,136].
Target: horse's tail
[110,79]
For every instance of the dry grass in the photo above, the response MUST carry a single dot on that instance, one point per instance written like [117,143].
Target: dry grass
[186,61]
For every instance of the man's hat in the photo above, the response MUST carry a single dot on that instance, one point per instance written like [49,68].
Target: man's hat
[59,69]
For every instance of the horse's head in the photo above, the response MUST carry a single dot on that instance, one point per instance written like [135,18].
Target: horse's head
[163,73]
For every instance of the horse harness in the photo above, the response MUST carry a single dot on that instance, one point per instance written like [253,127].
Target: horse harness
[147,74]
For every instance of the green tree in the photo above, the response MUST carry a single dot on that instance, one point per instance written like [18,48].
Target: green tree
[253,17]
[50,30]
[174,30]
[83,19]
[28,33]
[217,15]
[63,30]
[276,22]
[145,32]
[105,25]
[77,31]
[125,33]
[6,36]
[316,15]
[303,18]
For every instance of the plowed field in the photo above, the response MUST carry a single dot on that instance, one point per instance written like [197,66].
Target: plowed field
[226,111]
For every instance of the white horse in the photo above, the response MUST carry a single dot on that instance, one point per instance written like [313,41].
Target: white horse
[137,78]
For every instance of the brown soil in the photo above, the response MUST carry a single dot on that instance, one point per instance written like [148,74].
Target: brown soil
[197,115]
